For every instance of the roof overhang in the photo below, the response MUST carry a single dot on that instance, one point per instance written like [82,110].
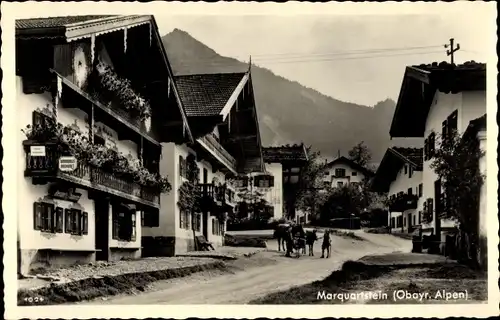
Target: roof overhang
[234,96]
[418,90]
[388,170]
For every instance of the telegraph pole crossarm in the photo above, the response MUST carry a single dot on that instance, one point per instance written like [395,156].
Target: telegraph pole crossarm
[452,49]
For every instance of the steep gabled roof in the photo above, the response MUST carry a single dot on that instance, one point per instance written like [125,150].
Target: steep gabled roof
[207,94]
[419,86]
[393,160]
[286,153]
[352,164]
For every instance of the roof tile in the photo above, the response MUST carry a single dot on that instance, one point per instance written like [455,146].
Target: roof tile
[54,22]
[284,153]
[206,94]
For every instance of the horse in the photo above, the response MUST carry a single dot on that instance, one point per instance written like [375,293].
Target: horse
[280,234]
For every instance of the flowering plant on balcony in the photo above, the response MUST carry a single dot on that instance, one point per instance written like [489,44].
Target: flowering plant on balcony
[118,89]
[71,141]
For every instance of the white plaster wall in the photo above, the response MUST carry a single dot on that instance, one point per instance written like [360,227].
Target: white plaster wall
[470,105]
[483,200]
[29,193]
[274,195]
[401,184]
[169,211]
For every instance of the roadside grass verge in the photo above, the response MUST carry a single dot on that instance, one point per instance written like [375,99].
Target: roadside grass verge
[355,277]
[92,288]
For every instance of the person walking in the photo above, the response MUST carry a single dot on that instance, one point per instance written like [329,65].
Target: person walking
[326,245]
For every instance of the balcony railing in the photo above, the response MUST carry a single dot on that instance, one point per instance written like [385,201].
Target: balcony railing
[86,176]
[403,202]
[212,192]
[210,141]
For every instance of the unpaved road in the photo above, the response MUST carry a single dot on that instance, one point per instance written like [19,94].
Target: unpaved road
[247,285]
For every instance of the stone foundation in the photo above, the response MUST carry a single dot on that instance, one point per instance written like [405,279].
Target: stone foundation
[30,259]
[116,254]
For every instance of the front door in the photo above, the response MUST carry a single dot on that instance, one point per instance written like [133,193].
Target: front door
[101,228]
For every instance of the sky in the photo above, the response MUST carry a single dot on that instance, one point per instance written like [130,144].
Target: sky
[359,59]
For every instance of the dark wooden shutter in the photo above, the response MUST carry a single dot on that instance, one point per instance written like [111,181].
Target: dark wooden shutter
[49,212]
[444,130]
[67,222]
[256,180]
[133,224]
[271,181]
[452,122]
[85,223]
[432,140]
[181,166]
[431,208]
[59,219]
[37,216]
[419,217]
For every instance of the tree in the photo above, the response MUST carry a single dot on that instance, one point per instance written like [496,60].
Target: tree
[456,162]
[360,154]
[306,195]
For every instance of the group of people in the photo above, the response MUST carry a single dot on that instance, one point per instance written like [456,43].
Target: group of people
[293,237]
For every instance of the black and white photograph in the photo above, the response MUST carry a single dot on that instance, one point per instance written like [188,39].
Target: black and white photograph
[164,156]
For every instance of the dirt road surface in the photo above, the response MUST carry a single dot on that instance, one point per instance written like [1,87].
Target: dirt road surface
[247,285]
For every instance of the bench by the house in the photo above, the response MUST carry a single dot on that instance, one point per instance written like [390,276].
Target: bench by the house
[203,244]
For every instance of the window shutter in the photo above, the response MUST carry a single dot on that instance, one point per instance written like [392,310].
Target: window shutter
[453,122]
[431,206]
[59,219]
[426,211]
[85,223]
[77,221]
[67,213]
[132,226]
[271,181]
[37,216]
[444,130]
[49,215]
[181,166]
[419,217]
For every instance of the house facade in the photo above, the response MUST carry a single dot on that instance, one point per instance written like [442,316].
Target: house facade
[89,102]
[285,163]
[343,171]
[435,99]
[399,175]
[221,114]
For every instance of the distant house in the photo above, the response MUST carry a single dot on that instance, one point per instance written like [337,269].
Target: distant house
[285,164]
[399,175]
[343,171]
[438,98]
[221,115]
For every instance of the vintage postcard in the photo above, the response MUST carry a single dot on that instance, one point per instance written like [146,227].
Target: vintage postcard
[249,160]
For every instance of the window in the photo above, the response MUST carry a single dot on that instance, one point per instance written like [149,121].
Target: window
[264,181]
[76,221]
[354,173]
[124,223]
[410,191]
[197,222]
[420,190]
[150,218]
[216,227]
[449,125]
[393,222]
[340,184]
[406,169]
[414,220]
[184,219]
[47,218]
[419,217]
[410,171]
[340,173]
[182,167]
[430,146]
[404,222]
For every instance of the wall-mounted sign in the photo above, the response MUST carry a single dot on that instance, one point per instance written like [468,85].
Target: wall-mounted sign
[64,193]
[67,164]
[37,151]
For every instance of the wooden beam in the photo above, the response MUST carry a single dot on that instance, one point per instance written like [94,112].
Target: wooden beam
[241,137]
[232,100]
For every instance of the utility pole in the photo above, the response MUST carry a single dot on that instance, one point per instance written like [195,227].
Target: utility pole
[452,49]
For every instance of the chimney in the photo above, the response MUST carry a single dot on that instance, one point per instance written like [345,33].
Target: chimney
[339,153]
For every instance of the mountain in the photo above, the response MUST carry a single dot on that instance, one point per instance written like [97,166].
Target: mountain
[289,112]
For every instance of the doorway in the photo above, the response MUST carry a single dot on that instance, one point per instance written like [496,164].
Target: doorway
[205,210]
[101,229]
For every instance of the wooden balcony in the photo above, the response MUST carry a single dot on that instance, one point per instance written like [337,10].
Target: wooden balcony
[210,143]
[46,168]
[403,202]
[212,194]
